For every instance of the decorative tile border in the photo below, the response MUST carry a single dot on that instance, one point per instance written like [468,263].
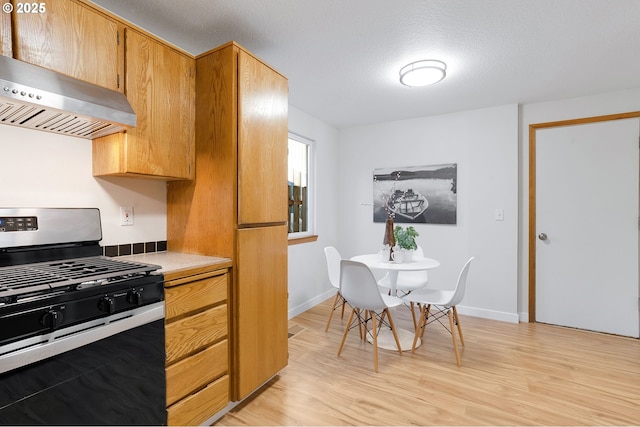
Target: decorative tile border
[134,248]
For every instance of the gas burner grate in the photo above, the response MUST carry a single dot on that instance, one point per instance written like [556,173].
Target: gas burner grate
[45,276]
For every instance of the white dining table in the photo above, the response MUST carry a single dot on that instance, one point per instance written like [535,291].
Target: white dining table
[392,268]
[373,261]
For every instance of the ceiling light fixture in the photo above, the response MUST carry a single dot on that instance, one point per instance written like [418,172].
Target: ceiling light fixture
[423,73]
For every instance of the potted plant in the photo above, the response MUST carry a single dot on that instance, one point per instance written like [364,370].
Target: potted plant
[406,240]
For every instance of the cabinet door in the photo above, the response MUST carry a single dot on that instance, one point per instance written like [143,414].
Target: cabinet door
[5,35]
[160,85]
[259,316]
[69,38]
[262,142]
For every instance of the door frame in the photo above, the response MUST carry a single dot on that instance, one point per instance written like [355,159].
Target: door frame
[532,190]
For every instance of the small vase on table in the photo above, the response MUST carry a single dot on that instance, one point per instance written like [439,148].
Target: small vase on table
[389,238]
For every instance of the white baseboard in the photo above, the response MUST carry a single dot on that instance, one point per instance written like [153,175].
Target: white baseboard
[293,312]
[470,311]
[220,413]
[231,405]
[489,314]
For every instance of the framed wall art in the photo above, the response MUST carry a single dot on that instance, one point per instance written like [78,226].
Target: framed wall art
[416,194]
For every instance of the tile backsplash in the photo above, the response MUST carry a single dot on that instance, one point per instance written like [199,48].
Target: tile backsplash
[134,248]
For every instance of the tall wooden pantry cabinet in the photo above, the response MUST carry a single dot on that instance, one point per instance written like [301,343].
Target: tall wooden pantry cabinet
[237,205]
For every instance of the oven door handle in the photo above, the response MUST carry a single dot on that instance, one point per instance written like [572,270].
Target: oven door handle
[31,350]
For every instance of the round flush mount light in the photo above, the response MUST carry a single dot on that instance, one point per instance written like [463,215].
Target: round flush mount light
[423,73]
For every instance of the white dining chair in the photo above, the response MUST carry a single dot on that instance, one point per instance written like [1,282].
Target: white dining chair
[333,269]
[358,286]
[444,301]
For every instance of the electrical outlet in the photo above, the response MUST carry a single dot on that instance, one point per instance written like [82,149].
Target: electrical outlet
[126,215]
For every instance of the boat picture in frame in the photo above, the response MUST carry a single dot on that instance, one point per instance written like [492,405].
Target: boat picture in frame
[416,194]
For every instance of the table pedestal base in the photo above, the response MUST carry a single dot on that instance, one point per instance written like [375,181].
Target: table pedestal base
[386,340]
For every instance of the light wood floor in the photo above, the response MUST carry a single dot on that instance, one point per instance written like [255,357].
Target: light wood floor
[511,374]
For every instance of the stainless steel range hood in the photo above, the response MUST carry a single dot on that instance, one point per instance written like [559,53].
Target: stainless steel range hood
[41,99]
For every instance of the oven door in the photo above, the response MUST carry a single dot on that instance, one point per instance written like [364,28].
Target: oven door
[109,374]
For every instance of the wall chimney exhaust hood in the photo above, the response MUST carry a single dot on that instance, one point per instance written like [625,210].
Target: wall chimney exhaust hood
[41,99]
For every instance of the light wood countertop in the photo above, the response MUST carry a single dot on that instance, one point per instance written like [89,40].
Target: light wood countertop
[176,264]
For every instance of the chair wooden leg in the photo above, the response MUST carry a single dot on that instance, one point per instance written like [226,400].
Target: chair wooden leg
[375,341]
[453,336]
[363,323]
[333,308]
[419,328]
[413,315]
[384,313]
[346,331]
[393,329]
[344,302]
[427,312]
[457,319]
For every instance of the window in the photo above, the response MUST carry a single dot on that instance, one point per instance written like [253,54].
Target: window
[300,186]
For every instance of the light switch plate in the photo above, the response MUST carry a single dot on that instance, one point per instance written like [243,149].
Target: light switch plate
[126,215]
[499,215]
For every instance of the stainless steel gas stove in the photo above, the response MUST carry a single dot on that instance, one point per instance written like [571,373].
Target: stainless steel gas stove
[75,325]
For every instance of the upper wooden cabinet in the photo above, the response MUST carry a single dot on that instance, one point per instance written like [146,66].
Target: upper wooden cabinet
[241,154]
[69,38]
[262,148]
[160,85]
[78,39]
[5,35]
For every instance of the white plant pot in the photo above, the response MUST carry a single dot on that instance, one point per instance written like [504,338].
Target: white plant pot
[408,255]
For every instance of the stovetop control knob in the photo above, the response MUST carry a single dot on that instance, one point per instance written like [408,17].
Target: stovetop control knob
[52,319]
[134,297]
[107,304]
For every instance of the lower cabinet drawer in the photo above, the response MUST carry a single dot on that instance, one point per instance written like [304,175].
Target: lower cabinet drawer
[192,373]
[197,408]
[190,334]
[194,296]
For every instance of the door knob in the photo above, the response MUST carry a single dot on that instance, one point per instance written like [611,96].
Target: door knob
[542,236]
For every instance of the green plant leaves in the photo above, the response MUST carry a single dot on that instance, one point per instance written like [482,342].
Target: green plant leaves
[406,237]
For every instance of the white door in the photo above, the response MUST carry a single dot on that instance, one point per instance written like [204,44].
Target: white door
[587,226]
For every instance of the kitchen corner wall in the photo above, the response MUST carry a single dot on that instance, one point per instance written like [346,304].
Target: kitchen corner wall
[308,279]
[484,144]
[41,169]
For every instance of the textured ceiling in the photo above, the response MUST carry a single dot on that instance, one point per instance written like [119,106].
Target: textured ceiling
[342,56]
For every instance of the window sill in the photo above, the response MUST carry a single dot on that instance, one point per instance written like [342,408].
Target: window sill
[306,239]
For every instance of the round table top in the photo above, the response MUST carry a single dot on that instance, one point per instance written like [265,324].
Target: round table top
[416,264]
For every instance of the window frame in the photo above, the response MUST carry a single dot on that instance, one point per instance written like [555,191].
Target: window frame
[309,235]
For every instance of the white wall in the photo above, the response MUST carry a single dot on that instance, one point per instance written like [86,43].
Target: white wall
[566,109]
[484,144]
[40,169]
[491,149]
[308,279]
